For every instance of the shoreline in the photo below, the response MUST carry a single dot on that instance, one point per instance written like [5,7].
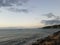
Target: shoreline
[35,39]
[53,39]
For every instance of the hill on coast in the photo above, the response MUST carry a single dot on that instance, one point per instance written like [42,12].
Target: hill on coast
[54,26]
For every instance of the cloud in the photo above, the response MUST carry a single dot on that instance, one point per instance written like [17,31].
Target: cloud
[14,4]
[49,15]
[51,22]
[18,10]
[11,2]
[54,21]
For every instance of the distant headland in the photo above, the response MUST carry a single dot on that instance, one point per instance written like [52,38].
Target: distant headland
[54,26]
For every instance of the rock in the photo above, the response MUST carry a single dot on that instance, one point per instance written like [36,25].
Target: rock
[53,39]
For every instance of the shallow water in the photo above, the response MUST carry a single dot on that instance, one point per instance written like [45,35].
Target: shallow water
[21,37]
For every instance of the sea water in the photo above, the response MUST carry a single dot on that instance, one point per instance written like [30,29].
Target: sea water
[23,36]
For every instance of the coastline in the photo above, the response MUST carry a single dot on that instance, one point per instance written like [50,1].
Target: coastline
[35,39]
[53,39]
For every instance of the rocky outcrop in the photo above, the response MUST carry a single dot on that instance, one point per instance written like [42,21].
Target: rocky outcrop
[53,39]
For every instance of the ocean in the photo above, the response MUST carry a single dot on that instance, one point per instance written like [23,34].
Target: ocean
[23,36]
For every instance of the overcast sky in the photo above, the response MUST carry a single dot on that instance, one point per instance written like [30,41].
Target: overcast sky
[28,13]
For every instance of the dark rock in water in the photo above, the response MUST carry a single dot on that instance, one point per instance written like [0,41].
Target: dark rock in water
[53,39]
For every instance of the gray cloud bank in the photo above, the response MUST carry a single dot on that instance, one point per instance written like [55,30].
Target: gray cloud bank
[11,2]
[18,10]
[52,19]
[14,4]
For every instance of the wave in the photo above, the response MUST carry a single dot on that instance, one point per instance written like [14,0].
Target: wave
[19,41]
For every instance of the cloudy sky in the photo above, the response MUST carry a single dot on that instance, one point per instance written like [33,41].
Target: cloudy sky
[29,13]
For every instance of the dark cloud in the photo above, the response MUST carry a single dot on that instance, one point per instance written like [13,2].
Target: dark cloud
[54,21]
[18,10]
[11,2]
[51,22]
[14,4]
[49,15]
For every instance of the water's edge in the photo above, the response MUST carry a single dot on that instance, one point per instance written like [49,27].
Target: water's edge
[26,37]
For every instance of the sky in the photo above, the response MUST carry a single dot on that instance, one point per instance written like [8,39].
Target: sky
[29,13]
